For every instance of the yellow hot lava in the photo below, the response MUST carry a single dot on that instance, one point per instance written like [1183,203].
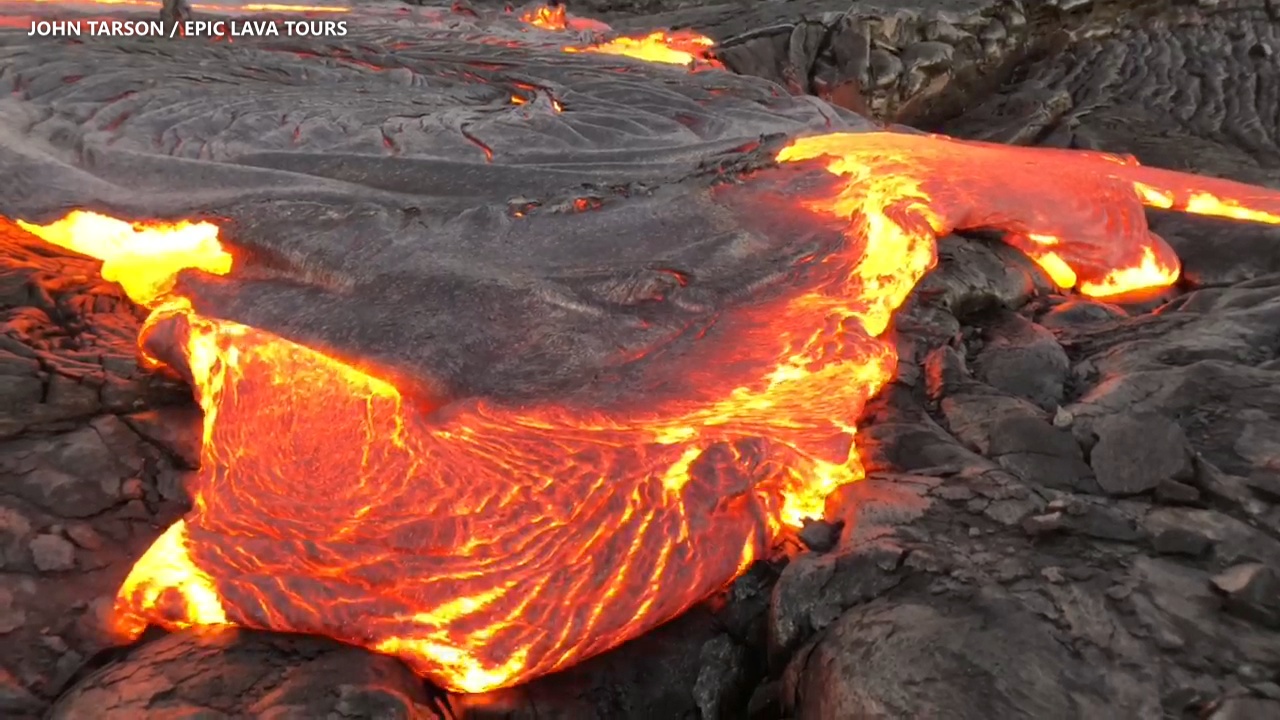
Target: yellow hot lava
[671,47]
[547,18]
[499,543]
[144,258]
[555,18]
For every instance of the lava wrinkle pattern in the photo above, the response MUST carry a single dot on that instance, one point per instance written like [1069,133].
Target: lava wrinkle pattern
[517,541]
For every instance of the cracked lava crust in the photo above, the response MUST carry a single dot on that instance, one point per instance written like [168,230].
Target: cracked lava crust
[488,540]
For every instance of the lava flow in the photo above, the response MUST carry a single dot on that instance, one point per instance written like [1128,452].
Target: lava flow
[557,17]
[493,544]
[670,47]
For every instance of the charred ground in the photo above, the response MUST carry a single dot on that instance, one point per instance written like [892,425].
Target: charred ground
[1076,501]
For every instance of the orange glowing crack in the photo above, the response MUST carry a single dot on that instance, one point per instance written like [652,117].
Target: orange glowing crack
[557,19]
[535,91]
[671,47]
[502,543]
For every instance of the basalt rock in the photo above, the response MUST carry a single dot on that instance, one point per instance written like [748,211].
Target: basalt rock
[909,62]
[237,673]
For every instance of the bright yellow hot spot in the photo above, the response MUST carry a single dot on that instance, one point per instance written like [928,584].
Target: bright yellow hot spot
[667,47]
[166,582]
[144,258]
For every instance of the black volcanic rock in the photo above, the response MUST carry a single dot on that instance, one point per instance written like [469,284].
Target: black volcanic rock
[1040,453]
[1023,359]
[1137,454]
[900,659]
[1252,591]
[236,673]
[1182,541]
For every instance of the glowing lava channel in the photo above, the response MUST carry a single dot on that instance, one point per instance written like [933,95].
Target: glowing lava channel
[557,19]
[669,47]
[499,544]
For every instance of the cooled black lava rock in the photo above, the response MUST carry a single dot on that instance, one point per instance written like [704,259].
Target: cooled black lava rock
[237,673]
[1252,591]
[1040,453]
[1137,454]
[392,202]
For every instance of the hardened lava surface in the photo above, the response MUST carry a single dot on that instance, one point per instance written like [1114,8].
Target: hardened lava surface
[452,146]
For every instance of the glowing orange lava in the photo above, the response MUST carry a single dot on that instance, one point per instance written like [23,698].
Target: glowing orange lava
[547,18]
[143,258]
[671,47]
[486,545]
[555,18]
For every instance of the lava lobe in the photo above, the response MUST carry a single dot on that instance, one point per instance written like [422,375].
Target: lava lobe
[487,543]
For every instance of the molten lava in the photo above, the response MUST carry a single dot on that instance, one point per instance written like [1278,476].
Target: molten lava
[556,18]
[485,544]
[144,258]
[672,47]
[547,17]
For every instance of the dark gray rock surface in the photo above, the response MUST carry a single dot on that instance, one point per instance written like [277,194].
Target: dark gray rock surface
[241,673]
[1094,539]
[404,134]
